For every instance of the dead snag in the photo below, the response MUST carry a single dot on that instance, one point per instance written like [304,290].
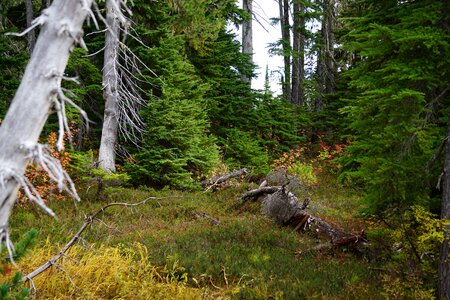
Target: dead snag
[212,183]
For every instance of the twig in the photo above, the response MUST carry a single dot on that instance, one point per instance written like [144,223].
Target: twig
[89,220]
[213,183]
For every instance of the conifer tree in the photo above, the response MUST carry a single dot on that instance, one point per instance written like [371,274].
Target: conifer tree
[176,147]
[398,112]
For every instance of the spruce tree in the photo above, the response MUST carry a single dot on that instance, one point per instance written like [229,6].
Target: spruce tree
[176,147]
[399,111]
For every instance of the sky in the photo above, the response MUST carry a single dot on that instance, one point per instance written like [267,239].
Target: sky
[263,34]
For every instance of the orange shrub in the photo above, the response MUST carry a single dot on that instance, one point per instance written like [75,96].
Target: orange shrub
[39,177]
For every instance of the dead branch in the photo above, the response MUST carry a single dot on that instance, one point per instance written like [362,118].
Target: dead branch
[213,182]
[89,220]
[351,241]
[253,194]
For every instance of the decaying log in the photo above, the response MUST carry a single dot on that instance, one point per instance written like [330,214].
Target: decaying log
[285,209]
[281,206]
[259,191]
[353,241]
[215,181]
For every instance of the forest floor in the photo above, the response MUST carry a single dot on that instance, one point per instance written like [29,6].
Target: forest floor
[194,245]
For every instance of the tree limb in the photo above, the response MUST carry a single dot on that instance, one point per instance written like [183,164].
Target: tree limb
[89,220]
[212,183]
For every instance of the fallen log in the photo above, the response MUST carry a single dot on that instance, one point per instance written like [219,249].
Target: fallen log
[215,181]
[353,241]
[285,209]
[259,191]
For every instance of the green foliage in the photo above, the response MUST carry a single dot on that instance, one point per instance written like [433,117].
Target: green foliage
[13,59]
[241,149]
[279,122]
[12,288]
[177,148]
[397,114]
[303,172]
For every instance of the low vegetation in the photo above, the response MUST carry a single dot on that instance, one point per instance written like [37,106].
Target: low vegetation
[196,245]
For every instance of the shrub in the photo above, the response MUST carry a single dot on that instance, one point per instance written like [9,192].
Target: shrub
[241,149]
[39,177]
[107,273]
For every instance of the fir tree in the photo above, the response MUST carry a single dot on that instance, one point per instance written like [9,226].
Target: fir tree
[400,108]
[176,146]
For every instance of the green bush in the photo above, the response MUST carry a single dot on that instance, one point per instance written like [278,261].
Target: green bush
[241,149]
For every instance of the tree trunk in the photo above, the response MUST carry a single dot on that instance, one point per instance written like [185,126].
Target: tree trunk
[298,58]
[329,41]
[31,36]
[107,153]
[325,60]
[247,33]
[286,46]
[444,263]
[28,112]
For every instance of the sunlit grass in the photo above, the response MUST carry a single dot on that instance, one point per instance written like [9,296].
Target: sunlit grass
[246,256]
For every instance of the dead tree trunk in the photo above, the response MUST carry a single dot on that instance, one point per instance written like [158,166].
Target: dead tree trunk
[107,153]
[39,90]
[285,209]
[444,262]
[247,32]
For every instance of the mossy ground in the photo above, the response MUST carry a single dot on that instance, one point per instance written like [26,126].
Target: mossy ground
[246,256]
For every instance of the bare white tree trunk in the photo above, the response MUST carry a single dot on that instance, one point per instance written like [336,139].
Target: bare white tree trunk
[247,32]
[39,90]
[107,154]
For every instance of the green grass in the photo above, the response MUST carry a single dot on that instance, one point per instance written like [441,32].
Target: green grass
[246,251]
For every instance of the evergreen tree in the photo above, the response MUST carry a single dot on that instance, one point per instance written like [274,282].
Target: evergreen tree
[399,111]
[235,119]
[176,146]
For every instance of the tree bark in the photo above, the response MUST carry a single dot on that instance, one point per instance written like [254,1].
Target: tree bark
[31,35]
[218,180]
[107,153]
[247,33]
[286,47]
[325,60]
[444,262]
[28,112]
[298,57]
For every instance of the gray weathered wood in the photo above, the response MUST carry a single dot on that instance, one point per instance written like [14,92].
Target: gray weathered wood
[247,32]
[107,153]
[40,86]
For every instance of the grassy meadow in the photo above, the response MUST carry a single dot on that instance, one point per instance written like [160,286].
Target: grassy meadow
[173,247]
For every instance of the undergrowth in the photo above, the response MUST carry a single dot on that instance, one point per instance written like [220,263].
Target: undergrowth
[164,250]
